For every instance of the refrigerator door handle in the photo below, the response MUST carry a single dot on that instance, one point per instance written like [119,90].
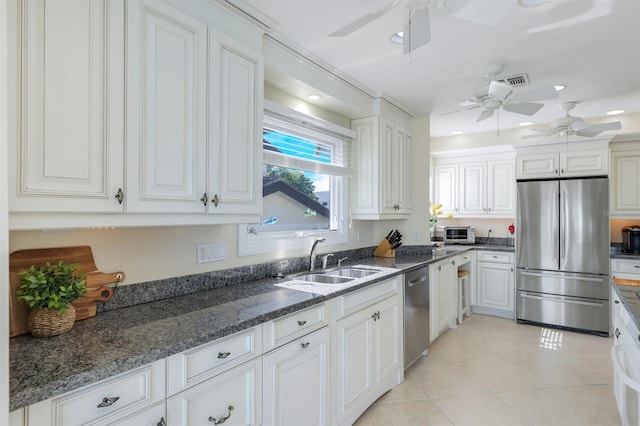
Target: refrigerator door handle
[555,230]
[564,228]
[550,274]
[562,300]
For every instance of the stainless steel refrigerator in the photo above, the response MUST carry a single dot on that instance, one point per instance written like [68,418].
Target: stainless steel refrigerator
[562,253]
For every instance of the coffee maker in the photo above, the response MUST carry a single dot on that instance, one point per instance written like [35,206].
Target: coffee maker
[631,239]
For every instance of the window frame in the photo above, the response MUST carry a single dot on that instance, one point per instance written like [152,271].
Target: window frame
[280,118]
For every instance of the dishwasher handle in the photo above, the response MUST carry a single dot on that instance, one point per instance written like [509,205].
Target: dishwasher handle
[417,281]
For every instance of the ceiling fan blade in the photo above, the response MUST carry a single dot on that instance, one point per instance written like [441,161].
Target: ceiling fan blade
[363,20]
[598,128]
[498,89]
[460,110]
[485,114]
[546,133]
[417,30]
[578,124]
[533,95]
[528,108]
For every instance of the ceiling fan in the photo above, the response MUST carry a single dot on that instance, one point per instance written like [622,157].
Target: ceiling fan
[416,30]
[498,94]
[570,125]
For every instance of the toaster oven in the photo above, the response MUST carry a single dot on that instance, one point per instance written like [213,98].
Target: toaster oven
[456,234]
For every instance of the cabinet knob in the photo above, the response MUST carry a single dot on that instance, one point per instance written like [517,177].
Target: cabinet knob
[162,422]
[108,402]
[215,200]
[222,419]
[120,196]
[204,199]
[304,345]
[617,333]
[223,355]
[301,323]
[616,302]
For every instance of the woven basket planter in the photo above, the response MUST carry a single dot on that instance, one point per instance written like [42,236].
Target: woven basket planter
[47,322]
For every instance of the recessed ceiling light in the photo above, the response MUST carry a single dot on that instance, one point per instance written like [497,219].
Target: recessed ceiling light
[398,38]
[525,123]
[559,87]
[457,132]
[532,3]
[314,97]
[615,112]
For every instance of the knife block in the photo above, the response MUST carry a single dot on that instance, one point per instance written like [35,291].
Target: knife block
[384,249]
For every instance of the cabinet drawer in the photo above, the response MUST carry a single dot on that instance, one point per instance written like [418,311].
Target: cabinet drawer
[235,396]
[463,259]
[292,326]
[495,256]
[152,416]
[625,266]
[104,401]
[198,364]
[360,299]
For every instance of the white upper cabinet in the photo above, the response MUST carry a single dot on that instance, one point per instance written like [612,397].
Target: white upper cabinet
[382,169]
[479,186]
[166,109]
[625,179]
[67,137]
[235,126]
[589,158]
[168,134]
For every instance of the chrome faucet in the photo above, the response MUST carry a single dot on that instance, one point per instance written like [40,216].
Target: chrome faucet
[325,259]
[312,260]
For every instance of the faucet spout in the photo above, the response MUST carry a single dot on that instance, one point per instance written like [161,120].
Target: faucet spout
[312,260]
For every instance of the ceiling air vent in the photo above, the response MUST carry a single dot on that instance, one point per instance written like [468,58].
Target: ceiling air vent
[517,80]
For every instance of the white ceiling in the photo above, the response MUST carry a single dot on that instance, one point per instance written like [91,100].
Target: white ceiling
[592,46]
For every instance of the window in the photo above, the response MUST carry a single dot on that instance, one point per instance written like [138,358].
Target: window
[304,175]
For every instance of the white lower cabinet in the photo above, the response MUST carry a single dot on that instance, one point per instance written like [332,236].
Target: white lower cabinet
[233,398]
[296,382]
[368,356]
[495,284]
[106,402]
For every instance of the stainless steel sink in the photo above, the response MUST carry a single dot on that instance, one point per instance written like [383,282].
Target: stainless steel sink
[353,272]
[322,278]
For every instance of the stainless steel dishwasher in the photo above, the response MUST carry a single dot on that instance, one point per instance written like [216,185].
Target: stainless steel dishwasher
[416,315]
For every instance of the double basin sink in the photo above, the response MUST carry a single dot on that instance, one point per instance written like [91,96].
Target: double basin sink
[337,276]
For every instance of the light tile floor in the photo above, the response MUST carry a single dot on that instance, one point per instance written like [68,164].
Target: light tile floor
[493,371]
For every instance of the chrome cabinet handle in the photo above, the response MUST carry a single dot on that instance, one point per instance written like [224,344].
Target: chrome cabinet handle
[301,323]
[162,422]
[304,345]
[215,200]
[616,302]
[108,402]
[120,196]
[222,419]
[204,199]
[617,333]
[223,355]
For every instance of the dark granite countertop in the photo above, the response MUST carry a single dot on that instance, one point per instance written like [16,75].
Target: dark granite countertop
[119,340]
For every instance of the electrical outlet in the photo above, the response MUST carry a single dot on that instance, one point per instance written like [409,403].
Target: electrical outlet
[211,252]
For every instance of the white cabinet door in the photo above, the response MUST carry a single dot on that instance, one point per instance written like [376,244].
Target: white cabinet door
[584,163]
[235,127]
[445,187]
[473,195]
[368,353]
[625,183]
[530,166]
[381,162]
[387,339]
[354,349]
[296,382]
[495,286]
[439,277]
[234,397]
[68,156]
[501,188]
[166,109]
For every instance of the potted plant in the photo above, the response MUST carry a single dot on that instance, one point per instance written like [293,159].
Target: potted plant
[48,291]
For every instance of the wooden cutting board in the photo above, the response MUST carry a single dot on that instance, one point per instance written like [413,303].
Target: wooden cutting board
[86,307]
